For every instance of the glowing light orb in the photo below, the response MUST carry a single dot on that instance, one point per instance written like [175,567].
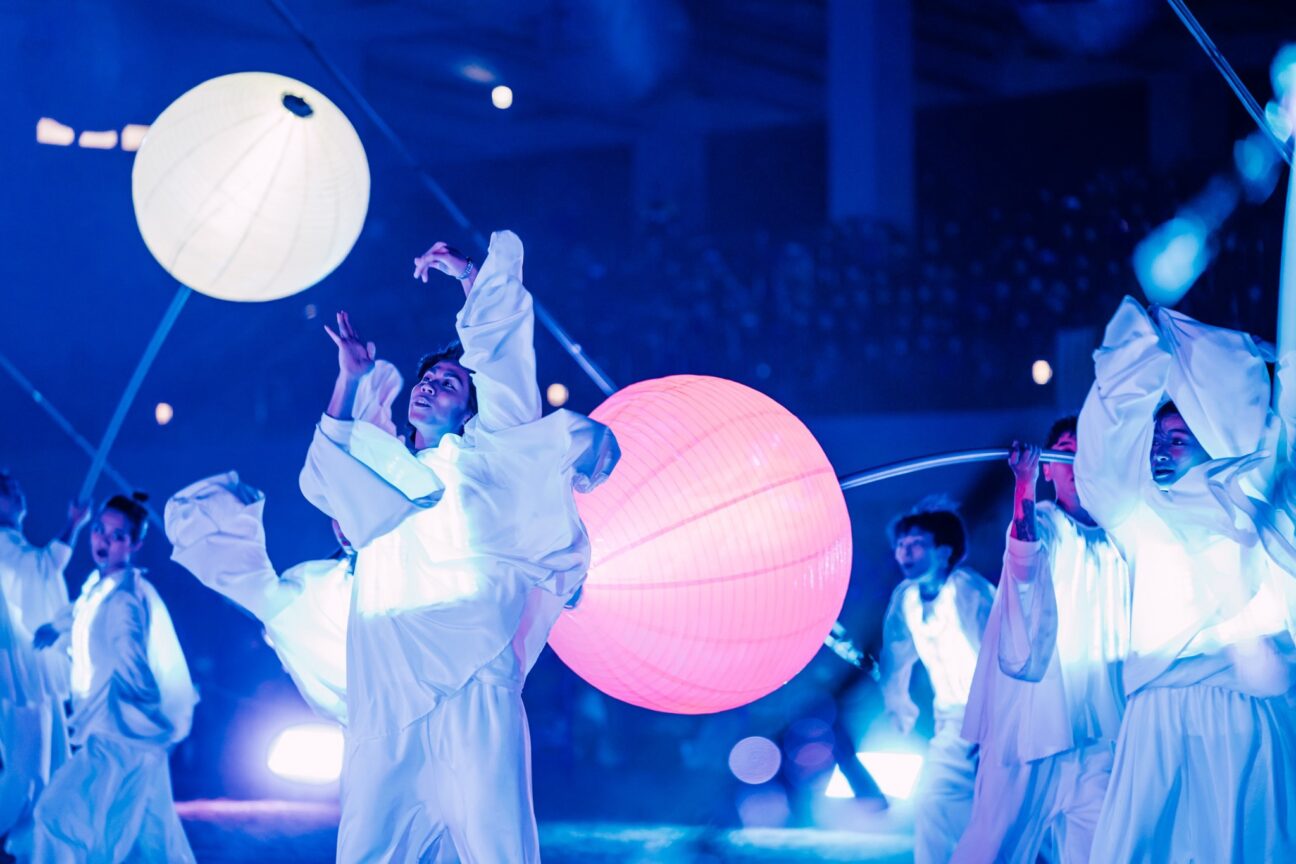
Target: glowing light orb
[721,550]
[755,760]
[308,753]
[163,412]
[502,97]
[1041,372]
[557,394]
[250,187]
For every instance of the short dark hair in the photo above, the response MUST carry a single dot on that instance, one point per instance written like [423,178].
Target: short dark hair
[1166,409]
[1062,426]
[945,526]
[134,510]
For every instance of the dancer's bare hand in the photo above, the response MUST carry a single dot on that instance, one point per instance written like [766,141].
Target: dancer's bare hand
[1024,461]
[441,257]
[355,357]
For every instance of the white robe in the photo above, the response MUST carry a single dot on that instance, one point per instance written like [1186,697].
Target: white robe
[215,527]
[132,699]
[33,684]
[946,640]
[1204,761]
[1047,696]
[466,554]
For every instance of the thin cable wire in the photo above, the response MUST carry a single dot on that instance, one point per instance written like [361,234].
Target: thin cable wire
[939,460]
[77,438]
[1239,88]
[547,320]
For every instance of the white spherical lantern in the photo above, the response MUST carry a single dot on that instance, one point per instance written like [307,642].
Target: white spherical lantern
[250,187]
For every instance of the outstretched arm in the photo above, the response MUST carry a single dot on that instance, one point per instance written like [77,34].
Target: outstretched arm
[497,329]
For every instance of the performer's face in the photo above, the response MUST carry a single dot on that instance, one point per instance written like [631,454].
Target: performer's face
[1175,450]
[1061,475]
[111,545]
[439,401]
[918,555]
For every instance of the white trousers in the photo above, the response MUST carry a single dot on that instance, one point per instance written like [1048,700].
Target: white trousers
[458,777]
[943,800]
[33,744]
[111,802]
[1203,775]
[1017,805]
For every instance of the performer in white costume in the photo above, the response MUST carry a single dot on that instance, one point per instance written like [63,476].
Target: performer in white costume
[1047,697]
[468,546]
[1190,489]
[33,732]
[937,615]
[132,699]
[216,532]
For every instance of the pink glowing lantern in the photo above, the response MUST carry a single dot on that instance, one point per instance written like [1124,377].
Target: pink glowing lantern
[721,550]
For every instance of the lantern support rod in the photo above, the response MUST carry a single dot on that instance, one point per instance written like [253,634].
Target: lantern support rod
[939,460]
[132,389]
[66,425]
[547,320]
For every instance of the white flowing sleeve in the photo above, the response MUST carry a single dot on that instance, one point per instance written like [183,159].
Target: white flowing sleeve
[896,664]
[31,578]
[216,532]
[1029,617]
[365,503]
[1114,438]
[497,329]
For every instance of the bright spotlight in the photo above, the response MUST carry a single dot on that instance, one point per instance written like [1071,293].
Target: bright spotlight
[557,394]
[755,760]
[98,140]
[163,413]
[1041,372]
[1169,260]
[502,97]
[895,774]
[308,753]
[49,131]
[132,136]
[838,785]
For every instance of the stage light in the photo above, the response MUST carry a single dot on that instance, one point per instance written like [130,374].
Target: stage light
[477,72]
[1169,260]
[308,753]
[163,413]
[98,140]
[895,774]
[766,807]
[502,97]
[755,760]
[1041,372]
[557,394]
[53,132]
[838,785]
[132,135]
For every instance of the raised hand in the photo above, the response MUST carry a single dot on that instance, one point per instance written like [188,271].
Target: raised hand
[355,357]
[1024,461]
[447,259]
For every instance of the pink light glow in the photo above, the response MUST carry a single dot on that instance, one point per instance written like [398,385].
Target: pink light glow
[721,550]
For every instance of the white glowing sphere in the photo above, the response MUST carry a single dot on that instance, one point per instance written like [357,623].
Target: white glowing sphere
[250,187]
[309,753]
